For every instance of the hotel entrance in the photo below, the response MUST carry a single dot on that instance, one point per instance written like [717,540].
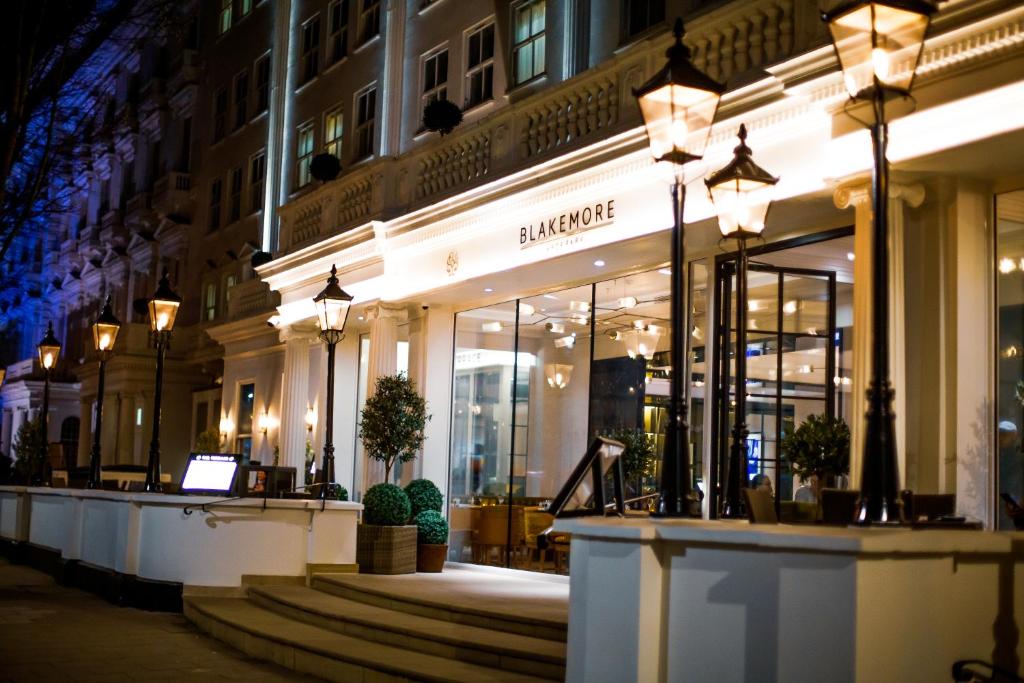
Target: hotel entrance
[799,325]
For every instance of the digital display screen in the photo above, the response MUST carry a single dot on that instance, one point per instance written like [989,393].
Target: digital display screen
[210,472]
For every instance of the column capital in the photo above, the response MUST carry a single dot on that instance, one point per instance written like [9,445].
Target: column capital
[304,330]
[853,193]
[386,310]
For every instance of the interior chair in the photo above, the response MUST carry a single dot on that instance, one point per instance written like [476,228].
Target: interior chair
[760,506]
[536,522]
[839,506]
[917,506]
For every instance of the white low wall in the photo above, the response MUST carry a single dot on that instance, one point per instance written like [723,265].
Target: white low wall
[154,537]
[674,600]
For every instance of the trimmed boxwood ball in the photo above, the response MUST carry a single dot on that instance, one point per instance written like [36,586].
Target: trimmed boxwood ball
[441,116]
[432,528]
[424,495]
[339,492]
[386,505]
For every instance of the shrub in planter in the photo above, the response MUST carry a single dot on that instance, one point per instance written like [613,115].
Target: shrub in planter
[423,495]
[393,421]
[818,448]
[433,541]
[385,544]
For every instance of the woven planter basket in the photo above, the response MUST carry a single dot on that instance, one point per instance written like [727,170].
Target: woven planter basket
[386,549]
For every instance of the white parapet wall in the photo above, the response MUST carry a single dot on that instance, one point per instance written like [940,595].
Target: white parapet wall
[660,600]
[191,540]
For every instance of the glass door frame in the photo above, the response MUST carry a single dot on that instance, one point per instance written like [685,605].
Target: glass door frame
[722,321]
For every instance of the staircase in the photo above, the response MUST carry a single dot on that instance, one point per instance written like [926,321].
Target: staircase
[461,625]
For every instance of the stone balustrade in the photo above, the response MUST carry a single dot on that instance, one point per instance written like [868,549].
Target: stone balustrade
[733,43]
[251,297]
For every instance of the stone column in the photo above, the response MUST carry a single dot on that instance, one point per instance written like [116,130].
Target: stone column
[431,354]
[6,433]
[857,194]
[383,361]
[295,395]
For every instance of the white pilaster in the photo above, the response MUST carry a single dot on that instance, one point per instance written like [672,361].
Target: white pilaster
[857,194]
[383,361]
[431,353]
[295,395]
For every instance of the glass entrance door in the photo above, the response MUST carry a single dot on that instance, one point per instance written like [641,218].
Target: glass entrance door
[792,351]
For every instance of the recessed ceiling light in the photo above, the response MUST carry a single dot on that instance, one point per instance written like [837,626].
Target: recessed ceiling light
[599,263]
[362,318]
[665,271]
[550,296]
[491,327]
[488,289]
[849,256]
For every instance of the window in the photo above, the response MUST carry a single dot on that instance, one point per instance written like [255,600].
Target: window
[262,84]
[104,198]
[229,282]
[220,114]
[241,93]
[128,181]
[435,78]
[369,20]
[216,190]
[333,128]
[225,17]
[246,404]
[338,41]
[480,66]
[245,8]
[528,40]
[640,15]
[310,49]
[257,178]
[304,154]
[186,146]
[235,207]
[210,302]
[366,104]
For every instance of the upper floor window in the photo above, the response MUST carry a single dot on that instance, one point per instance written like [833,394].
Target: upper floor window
[241,94]
[310,49]
[304,154]
[225,16]
[220,114]
[528,40]
[210,301]
[369,20]
[262,84]
[333,128]
[244,7]
[185,154]
[366,106]
[640,15]
[257,179]
[435,78]
[338,41]
[480,65]
[235,206]
[216,193]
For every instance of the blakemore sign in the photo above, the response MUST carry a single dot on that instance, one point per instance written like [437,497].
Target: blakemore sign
[567,224]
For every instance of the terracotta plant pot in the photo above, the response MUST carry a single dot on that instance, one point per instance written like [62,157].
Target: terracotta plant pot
[386,549]
[430,558]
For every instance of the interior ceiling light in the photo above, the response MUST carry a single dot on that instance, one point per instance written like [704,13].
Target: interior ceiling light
[557,328]
[753,305]
[1007,265]
[639,324]
[849,256]
[491,327]
[627,302]
[599,263]
[580,319]
[550,296]
[789,307]
[665,271]
[579,306]
[526,309]
[566,342]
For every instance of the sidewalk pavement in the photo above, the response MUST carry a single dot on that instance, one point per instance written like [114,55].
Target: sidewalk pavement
[52,633]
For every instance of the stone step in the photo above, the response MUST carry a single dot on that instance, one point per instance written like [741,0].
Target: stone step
[302,647]
[533,608]
[487,647]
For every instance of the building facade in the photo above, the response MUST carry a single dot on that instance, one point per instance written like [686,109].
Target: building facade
[515,268]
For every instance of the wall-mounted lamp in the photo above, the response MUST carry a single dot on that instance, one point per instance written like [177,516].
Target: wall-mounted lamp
[226,427]
[263,422]
[558,375]
[310,418]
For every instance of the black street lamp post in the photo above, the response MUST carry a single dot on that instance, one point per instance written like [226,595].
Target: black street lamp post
[678,105]
[104,333]
[163,308]
[879,45]
[332,307]
[741,193]
[49,353]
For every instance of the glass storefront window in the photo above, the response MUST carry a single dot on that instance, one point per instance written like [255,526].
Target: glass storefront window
[1009,264]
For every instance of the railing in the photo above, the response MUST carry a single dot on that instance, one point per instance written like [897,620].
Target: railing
[171,192]
[733,43]
[251,297]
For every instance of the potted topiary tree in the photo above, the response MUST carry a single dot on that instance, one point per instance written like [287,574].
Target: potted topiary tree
[385,543]
[432,536]
[638,458]
[818,450]
[423,495]
[393,422]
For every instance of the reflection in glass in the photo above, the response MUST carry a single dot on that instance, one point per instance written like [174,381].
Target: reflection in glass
[1009,275]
